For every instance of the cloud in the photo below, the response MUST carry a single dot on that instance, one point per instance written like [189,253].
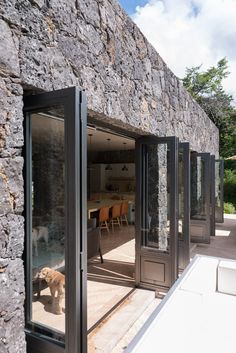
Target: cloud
[189,33]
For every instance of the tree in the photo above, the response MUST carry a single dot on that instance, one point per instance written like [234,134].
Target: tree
[230,186]
[206,87]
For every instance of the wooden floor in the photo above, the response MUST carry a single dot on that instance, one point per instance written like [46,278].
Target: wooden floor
[108,283]
[118,250]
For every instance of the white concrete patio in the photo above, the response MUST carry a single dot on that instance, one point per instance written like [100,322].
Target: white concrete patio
[193,317]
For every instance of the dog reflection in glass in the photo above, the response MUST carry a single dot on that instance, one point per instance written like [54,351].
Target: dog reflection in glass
[56,283]
[38,233]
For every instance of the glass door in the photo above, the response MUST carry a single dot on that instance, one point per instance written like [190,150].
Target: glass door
[200,216]
[156,212]
[184,205]
[219,191]
[212,200]
[56,213]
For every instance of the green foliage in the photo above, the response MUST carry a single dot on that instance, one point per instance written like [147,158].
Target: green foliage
[206,83]
[230,186]
[206,87]
[230,164]
[229,208]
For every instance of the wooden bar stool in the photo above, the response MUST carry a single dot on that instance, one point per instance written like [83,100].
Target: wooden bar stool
[103,218]
[124,213]
[115,216]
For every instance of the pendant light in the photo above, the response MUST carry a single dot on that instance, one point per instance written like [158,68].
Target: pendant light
[124,169]
[108,167]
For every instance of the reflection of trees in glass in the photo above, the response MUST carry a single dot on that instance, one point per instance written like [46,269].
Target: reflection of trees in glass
[181,193]
[48,174]
[217,184]
[198,209]
[157,196]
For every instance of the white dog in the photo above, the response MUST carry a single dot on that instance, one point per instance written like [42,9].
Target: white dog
[39,232]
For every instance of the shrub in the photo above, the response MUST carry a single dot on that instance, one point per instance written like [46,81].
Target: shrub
[230,186]
[230,164]
[229,207]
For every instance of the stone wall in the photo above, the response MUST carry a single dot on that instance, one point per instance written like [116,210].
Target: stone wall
[52,44]
[12,197]
[95,45]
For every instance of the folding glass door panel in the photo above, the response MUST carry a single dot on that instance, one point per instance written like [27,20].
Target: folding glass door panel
[184,205]
[200,217]
[219,191]
[156,212]
[56,211]
[212,199]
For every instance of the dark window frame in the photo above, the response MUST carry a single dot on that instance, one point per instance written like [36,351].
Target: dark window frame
[170,258]
[184,243]
[219,211]
[75,119]
[206,157]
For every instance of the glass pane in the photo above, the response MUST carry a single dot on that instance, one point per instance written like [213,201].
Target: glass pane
[198,192]
[218,191]
[156,223]
[181,194]
[48,222]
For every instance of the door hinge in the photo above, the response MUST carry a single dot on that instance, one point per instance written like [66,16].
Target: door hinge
[81,261]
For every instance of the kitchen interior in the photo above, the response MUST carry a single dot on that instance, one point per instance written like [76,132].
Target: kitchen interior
[111,168]
[110,185]
[111,250]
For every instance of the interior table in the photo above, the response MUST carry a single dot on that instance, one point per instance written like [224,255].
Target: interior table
[94,206]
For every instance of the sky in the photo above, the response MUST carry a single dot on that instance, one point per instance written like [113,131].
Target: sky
[189,33]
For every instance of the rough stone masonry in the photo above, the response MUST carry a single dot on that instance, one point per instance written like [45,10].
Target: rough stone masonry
[52,44]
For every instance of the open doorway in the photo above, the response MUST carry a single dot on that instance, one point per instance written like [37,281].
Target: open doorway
[58,146]
[111,216]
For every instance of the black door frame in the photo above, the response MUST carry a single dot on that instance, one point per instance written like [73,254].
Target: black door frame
[212,206]
[169,261]
[184,244]
[219,211]
[75,119]
[205,238]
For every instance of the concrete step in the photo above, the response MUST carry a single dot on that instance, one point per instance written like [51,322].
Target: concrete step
[110,332]
[131,333]
[192,247]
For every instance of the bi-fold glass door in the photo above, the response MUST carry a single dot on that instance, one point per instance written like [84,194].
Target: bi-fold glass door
[184,205]
[200,216]
[56,220]
[219,191]
[156,212]
[212,186]
[217,197]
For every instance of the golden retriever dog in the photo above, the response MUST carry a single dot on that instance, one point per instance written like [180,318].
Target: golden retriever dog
[56,283]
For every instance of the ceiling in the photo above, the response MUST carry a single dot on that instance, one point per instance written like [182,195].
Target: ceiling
[99,141]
